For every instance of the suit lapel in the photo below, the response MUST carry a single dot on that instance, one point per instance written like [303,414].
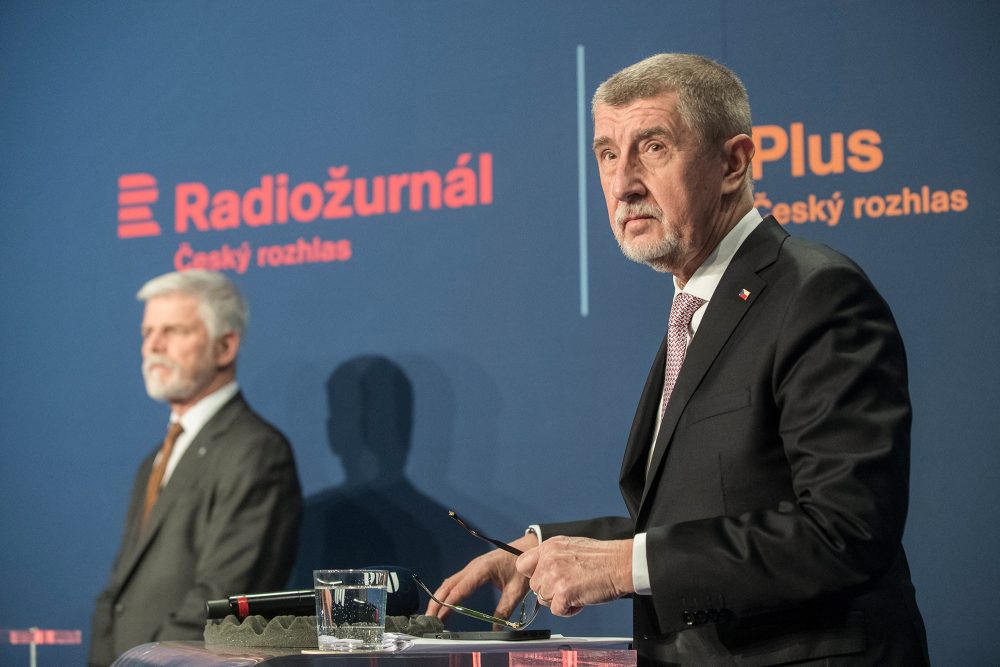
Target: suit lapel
[724,313]
[184,476]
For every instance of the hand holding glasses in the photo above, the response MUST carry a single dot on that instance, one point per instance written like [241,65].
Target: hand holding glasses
[529,604]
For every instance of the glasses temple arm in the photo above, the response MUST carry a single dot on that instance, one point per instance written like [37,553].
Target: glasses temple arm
[472,531]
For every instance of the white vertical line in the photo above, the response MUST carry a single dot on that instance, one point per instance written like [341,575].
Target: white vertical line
[581,127]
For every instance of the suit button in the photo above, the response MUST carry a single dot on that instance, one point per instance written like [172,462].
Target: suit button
[688,618]
[119,608]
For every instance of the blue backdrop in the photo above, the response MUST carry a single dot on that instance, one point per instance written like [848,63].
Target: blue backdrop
[460,322]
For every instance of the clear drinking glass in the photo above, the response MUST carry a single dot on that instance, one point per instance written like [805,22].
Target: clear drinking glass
[350,609]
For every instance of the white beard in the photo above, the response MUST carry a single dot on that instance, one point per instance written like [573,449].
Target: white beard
[175,387]
[659,255]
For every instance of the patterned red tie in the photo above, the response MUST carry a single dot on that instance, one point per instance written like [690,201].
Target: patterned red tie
[159,468]
[681,311]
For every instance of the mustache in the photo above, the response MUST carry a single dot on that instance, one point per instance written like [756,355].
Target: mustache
[158,360]
[637,210]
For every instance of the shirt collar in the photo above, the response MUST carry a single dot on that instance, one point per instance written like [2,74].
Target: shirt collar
[198,414]
[707,277]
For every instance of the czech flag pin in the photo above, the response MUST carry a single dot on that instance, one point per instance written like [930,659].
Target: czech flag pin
[744,294]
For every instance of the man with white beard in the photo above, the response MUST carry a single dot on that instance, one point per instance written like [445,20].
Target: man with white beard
[216,507]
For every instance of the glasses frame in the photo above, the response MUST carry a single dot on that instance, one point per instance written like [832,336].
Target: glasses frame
[525,617]
[524,620]
[475,533]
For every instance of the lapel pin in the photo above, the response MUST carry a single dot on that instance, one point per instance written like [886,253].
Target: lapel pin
[744,294]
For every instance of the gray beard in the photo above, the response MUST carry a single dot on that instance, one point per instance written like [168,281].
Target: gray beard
[174,389]
[170,391]
[659,257]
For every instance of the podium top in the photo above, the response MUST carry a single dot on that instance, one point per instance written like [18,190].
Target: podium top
[558,651]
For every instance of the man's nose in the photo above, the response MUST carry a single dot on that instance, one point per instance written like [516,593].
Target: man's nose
[153,342]
[627,183]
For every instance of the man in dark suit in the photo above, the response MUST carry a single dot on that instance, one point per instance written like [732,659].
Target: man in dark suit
[766,472]
[215,510]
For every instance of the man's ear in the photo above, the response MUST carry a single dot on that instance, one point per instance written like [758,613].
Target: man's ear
[227,346]
[737,152]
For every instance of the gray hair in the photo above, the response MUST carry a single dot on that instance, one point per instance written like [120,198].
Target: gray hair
[222,307]
[711,99]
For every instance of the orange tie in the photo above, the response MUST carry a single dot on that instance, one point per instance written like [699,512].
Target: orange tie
[160,467]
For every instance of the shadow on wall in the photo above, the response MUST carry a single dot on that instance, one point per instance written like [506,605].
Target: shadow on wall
[378,517]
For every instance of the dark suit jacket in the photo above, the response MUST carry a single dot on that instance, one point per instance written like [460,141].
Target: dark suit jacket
[777,494]
[226,523]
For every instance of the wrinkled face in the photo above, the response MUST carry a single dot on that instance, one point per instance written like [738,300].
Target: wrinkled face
[178,360]
[661,189]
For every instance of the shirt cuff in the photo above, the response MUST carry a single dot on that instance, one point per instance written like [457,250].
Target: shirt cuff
[640,567]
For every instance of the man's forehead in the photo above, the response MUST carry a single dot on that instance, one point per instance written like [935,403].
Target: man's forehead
[637,118]
[175,304]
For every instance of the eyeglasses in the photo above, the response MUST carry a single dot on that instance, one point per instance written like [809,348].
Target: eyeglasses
[528,609]
[529,604]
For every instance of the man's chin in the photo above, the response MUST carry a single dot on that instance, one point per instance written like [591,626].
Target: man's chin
[157,395]
[166,394]
[659,264]
[658,259]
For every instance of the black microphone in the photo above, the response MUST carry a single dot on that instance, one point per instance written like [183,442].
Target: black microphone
[268,605]
[402,599]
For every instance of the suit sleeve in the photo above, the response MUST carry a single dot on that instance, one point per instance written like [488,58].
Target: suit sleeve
[250,528]
[839,395]
[604,528]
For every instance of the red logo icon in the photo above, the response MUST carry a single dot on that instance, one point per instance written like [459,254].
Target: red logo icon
[135,218]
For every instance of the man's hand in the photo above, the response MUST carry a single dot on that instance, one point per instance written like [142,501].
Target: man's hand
[497,567]
[568,573]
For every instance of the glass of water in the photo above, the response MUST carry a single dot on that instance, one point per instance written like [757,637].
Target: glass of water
[350,609]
